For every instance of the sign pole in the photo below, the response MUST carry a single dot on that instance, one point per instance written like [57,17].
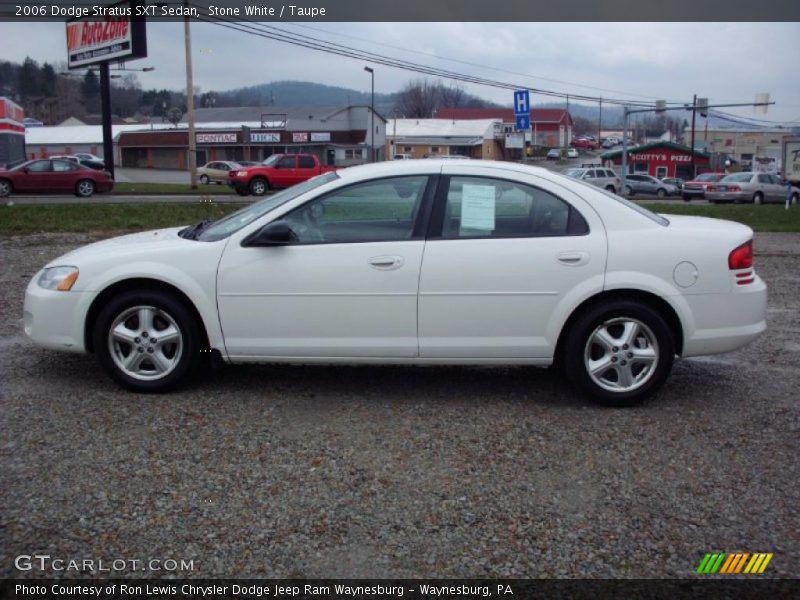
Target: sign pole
[105,107]
[190,105]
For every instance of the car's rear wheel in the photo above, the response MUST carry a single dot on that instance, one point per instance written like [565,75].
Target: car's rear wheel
[611,188]
[758,198]
[84,188]
[204,179]
[259,186]
[148,341]
[687,198]
[794,198]
[619,353]
[5,188]
[661,192]
[628,190]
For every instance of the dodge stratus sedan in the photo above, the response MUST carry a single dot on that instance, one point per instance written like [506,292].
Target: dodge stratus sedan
[413,262]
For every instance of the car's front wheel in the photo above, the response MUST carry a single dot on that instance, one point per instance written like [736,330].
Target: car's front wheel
[148,341]
[628,190]
[661,192]
[758,198]
[84,188]
[259,186]
[619,353]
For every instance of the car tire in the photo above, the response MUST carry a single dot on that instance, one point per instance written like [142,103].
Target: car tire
[636,366]
[661,192]
[204,179]
[793,199]
[758,198]
[84,188]
[165,364]
[258,186]
[629,191]
[611,188]
[687,198]
[6,187]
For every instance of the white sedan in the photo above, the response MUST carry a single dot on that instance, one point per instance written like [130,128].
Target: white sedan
[413,262]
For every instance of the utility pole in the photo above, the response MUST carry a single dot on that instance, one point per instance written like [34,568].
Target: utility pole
[187,34]
[625,113]
[372,115]
[600,122]
[694,113]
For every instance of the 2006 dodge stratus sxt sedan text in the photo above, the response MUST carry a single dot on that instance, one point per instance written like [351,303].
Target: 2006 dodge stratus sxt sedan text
[418,262]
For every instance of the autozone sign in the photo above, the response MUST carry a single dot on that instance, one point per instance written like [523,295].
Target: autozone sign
[108,39]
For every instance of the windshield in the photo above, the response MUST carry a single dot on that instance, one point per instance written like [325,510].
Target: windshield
[737,177]
[271,160]
[576,173]
[235,221]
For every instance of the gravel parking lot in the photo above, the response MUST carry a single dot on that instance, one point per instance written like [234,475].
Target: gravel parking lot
[276,471]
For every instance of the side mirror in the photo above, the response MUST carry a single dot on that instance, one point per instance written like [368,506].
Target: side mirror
[277,233]
[26,170]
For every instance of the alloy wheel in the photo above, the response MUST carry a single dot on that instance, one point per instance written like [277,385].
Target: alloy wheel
[621,354]
[145,343]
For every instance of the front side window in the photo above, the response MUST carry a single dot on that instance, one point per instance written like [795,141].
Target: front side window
[40,166]
[306,162]
[382,210]
[481,207]
[287,162]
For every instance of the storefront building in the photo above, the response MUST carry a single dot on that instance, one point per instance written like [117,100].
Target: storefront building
[660,159]
[338,137]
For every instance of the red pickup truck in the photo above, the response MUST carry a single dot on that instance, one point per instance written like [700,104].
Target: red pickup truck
[278,171]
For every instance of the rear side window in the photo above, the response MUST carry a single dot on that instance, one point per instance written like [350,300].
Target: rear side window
[479,207]
[306,162]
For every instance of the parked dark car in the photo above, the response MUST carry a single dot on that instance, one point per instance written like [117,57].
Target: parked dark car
[54,176]
[676,181]
[647,184]
[696,188]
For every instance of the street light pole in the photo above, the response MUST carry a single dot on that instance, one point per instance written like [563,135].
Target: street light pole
[625,112]
[372,116]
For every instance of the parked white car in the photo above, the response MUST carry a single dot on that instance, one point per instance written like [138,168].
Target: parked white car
[414,262]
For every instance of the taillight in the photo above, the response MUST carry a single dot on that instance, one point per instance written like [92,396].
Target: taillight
[734,188]
[710,188]
[741,257]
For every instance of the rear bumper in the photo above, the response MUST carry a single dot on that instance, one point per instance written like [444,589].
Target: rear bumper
[726,322]
[729,197]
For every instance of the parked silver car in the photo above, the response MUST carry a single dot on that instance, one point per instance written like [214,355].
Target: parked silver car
[647,184]
[747,186]
[599,176]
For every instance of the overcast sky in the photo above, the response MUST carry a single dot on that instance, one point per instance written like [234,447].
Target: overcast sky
[726,62]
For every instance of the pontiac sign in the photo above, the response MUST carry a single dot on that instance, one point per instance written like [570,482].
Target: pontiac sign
[111,38]
[216,138]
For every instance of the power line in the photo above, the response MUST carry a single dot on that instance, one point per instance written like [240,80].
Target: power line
[275,34]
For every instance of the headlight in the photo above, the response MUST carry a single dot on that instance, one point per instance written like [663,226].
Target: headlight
[58,278]
[241,173]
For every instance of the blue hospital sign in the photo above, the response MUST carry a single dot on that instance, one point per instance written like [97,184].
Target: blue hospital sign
[522,103]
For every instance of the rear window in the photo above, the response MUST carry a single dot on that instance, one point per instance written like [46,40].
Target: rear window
[737,177]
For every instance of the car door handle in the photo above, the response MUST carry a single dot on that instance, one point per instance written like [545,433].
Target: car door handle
[386,263]
[573,259]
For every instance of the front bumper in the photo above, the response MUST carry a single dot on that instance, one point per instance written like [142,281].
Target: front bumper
[55,319]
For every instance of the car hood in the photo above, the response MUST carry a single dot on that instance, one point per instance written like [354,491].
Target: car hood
[145,242]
